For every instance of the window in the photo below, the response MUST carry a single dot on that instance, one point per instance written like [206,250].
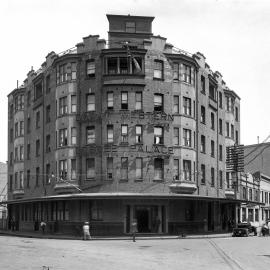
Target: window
[244,193]
[138,101]
[11,135]
[124,168]
[90,135]
[109,100]
[203,173]
[186,106]
[227,180]
[63,137]
[28,98]
[21,131]
[212,148]
[220,153]
[176,71]
[220,179]
[203,114]
[48,114]
[73,104]
[16,129]
[10,182]
[73,169]
[130,27]
[28,178]
[139,168]
[90,102]
[110,133]
[212,121]
[158,135]
[232,131]
[38,90]
[212,92]
[48,169]
[63,109]
[176,170]
[158,102]
[109,168]
[186,74]
[138,134]
[38,119]
[202,143]
[236,137]
[227,129]
[220,99]
[28,151]
[123,64]
[97,210]
[187,137]
[124,100]
[61,74]
[187,170]
[16,154]
[158,169]
[124,133]
[250,194]
[176,104]
[158,69]
[220,129]
[48,143]
[236,114]
[90,68]
[21,180]
[37,148]
[28,125]
[175,136]
[73,135]
[48,86]
[250,215]
[90,168]
[73,71]
[212,177]
[112,65]
[16,181]
[21,152]
[37,176]
[63,169]
[202,84]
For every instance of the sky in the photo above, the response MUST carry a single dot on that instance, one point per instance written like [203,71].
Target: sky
[234,35]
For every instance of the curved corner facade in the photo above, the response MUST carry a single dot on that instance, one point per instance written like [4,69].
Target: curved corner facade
[124,130]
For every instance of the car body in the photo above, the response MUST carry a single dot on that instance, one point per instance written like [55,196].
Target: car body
[244,229]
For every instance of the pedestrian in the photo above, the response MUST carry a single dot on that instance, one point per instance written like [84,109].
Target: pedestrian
[86,231]
[43,226]
[134,229]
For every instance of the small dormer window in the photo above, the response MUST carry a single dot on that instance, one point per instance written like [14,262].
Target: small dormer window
[130,27]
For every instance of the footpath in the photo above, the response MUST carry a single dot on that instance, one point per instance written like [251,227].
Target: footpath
[39,234]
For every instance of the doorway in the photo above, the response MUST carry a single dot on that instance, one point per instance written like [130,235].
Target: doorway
[142,216]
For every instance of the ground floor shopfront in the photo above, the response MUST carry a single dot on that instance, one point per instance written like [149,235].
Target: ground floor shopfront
[113,214]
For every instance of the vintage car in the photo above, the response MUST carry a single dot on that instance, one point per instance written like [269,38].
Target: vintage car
[244,229]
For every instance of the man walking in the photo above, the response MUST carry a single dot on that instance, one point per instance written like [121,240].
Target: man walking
[86,231]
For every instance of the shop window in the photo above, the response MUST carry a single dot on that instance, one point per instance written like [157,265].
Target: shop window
[96,210]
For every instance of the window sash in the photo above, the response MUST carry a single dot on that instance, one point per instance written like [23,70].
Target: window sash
[90,168]
[109,167]
[124,168]
[110,134]
[158,135]
[158,69]
[187,170]
[91,102]
[158,169]
[110,100]
[73,135]
[138,101]
[90,135]
[138,134]
[176,169]
[73,104]
[139,166]
[187,137]
[91,67]
[176,104]
[176,136]
[73,169]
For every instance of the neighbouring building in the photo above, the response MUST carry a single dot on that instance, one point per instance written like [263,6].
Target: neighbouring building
[124,129]
[3,194]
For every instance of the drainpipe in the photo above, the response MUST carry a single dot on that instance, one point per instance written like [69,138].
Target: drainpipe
[197,134]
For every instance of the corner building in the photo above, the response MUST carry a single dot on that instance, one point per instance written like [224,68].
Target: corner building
[129,128]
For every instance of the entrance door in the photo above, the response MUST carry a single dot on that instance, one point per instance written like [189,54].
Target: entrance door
[142,216]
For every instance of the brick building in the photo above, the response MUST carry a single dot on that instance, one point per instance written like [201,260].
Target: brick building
[110,131]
